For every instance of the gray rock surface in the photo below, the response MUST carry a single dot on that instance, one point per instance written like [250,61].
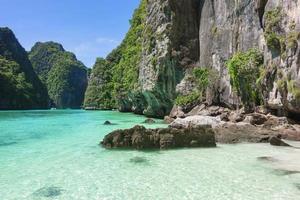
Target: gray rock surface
[139,138]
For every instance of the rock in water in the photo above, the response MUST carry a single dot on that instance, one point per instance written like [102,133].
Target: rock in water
[107,123]
[276,141]
[139,137]
[149,121]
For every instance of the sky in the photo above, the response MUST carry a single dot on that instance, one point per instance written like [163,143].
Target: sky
[88,28]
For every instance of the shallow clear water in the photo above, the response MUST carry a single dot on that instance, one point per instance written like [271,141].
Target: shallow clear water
[55,155]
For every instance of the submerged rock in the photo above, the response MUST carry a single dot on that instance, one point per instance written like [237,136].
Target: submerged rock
[48,192]
[149,121]
[139,137]
[138,160]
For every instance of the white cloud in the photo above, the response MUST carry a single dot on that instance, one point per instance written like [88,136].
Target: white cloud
[88,51]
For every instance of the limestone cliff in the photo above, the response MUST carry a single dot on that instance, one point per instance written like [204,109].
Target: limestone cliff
[64,76]
[186,48]
[20,87]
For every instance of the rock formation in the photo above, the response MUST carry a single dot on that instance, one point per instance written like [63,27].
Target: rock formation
[20,87]
[64,76]
[139,137]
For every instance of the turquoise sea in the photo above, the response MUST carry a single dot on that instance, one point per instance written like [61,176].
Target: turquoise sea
[55,155]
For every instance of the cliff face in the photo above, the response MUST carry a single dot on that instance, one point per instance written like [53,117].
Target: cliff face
[20,87]
[273,27]
[214,51]
[64,76]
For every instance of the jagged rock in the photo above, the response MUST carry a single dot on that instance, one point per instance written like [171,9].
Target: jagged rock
[139,137]
[256,119]
[277,141]
[149,121]
[225,117]
[168,119]
[177,112]
[196,110]
[274,121]
[236,116]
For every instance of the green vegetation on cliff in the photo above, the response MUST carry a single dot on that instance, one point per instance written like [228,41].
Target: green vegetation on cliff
[244,70]
[204,78]
[20,87]
[113,80]
[125,76]
[64,76]
[99,92]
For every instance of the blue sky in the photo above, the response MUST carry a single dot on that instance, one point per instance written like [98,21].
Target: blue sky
[89,28]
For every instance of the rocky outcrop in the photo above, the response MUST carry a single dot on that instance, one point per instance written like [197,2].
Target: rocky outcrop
[240,127]
[139,137]
[20,87]
[64,76]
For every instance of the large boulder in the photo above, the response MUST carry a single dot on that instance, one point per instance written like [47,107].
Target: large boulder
[139,137]
[256,119]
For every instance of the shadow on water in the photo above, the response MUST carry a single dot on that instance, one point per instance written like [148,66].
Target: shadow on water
[150,151]
[48,192]
[139,160]
[267,159]
[297,185]
[284,172]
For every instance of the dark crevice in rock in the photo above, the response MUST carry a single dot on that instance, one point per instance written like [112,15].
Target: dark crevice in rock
[260,9]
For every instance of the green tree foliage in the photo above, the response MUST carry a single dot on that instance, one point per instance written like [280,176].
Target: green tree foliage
[244,70]
[64,76]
